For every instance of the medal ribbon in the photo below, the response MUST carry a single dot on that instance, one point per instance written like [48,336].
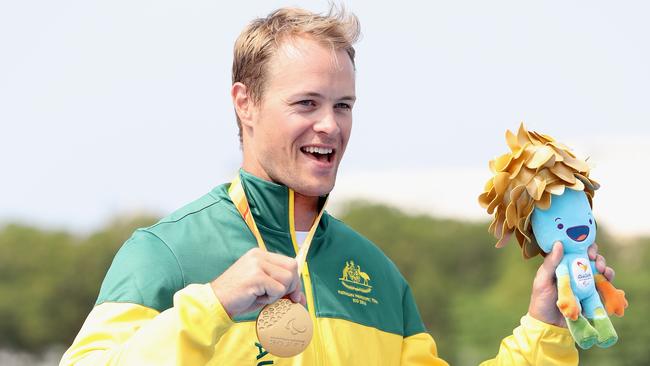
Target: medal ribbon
[238,197]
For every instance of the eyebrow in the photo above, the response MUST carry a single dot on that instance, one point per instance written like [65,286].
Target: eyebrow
[351,98]
[558,218]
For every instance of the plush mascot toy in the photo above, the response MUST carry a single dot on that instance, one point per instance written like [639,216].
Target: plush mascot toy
[542,193]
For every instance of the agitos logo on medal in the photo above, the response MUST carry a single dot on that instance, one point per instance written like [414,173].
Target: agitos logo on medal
[353,278]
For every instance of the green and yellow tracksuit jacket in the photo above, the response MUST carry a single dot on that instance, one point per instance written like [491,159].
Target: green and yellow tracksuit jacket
[156,307]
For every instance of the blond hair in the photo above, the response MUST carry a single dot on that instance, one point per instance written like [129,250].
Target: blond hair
[263,36]
[536,167]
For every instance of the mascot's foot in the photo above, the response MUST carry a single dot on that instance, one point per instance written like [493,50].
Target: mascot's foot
[607,336]
[584,334]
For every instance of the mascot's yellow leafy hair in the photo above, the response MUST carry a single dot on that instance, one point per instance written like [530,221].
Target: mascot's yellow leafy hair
[543,193]
[536,167]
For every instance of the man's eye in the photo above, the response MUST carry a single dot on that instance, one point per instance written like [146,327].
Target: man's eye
[343,106]
[307,103]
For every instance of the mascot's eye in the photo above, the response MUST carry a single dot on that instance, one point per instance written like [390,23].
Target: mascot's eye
[560,226]
[590,222]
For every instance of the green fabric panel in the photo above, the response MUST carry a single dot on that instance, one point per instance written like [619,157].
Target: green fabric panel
[377,304]
[144,272]
[206,242]
[412,321]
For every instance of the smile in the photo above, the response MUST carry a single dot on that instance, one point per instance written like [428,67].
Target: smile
[319,153]
[578,233]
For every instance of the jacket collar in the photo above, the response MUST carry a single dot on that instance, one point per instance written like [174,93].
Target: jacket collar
[269,203]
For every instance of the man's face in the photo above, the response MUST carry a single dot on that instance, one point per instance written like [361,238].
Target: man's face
[299,130]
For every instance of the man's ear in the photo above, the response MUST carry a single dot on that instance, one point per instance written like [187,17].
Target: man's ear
[244,106]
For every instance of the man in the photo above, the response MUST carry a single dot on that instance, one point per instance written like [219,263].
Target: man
[187,290]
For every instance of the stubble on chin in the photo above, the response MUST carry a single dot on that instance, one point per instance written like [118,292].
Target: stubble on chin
[316,187]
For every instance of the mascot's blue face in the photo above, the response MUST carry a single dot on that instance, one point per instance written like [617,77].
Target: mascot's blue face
[569,220]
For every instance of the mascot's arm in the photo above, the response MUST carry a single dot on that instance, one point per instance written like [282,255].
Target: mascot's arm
[614,299]
[566,301]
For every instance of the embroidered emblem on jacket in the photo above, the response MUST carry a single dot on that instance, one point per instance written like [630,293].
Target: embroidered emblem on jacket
[358,281]
[353,278]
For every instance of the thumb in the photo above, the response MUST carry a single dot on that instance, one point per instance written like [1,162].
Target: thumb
[547,270]
[298,297]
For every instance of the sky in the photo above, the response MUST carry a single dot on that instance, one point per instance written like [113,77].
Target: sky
[116,107]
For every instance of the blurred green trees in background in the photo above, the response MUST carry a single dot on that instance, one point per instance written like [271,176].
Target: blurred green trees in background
[470,294]
[49,281]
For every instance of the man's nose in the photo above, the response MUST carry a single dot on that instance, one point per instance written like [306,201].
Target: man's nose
[327,123]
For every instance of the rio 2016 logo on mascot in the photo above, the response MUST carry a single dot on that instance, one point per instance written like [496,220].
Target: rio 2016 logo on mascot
[542,193]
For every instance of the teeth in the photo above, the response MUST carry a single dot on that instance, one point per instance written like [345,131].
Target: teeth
[317,150]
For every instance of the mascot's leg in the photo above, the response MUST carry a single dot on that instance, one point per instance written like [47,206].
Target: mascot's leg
[595,311]
[584,334]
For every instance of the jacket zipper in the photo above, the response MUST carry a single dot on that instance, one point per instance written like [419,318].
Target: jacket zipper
[309,291]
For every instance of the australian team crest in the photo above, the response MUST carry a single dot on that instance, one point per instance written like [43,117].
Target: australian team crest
[353,278]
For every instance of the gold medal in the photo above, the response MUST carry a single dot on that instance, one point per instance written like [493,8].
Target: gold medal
[284,328]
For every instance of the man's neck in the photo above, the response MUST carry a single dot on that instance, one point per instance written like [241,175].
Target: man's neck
[305,211]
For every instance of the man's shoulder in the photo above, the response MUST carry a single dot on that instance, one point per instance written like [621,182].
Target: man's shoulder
[340,228]
[153,263]
[195,219]
[207,230]
[193,210]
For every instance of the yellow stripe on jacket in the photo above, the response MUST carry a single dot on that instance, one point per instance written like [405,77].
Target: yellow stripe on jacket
[536,343]
[131,334]
[197,331]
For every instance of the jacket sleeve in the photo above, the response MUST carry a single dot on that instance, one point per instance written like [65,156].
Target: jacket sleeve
[536,343]
[418,347]
[145,315]
[132,334]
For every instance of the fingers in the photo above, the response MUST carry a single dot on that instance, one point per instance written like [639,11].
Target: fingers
[601,263]
[282,270]
[544,295]
[255,279]
[287,278]
[609,274]
[279,275]
[280,260]
[269,291]
[298,297]
[280,283]
[546,271]
[260,255]
[592,251]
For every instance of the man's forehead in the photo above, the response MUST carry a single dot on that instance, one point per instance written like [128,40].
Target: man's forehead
[297,50]
[302,65]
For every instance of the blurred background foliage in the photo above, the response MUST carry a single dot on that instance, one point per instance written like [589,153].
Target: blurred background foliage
[470,294]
